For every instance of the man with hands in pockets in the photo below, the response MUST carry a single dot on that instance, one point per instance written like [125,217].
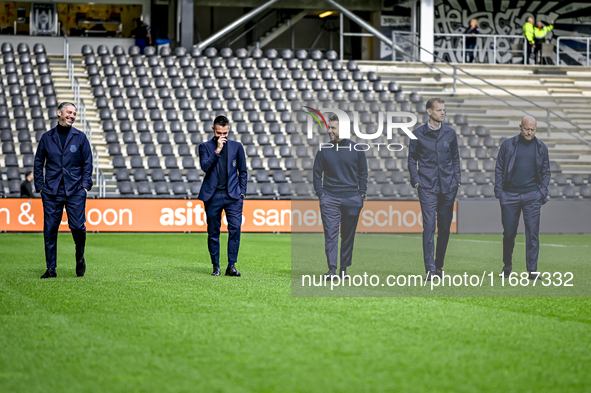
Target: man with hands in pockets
[522,176]
[437,179]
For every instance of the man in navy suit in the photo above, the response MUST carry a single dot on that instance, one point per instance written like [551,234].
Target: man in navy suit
[224,188]
[437,180]
[522,176]
[65,154]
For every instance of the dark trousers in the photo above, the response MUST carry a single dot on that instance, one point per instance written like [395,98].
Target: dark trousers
[53,208]
[538,51]
[343,212]
[512,204]
[213,209]
[470,51]
[530,49]
[437,209]
[141,42]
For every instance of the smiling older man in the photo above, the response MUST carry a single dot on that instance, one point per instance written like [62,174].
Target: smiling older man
[522,175]
[63,176]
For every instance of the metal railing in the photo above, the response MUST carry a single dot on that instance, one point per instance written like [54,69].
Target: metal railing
[95,161]
[75,86]
[255,29]
[455,68]
[234,25]
[102,184]
[583,59]
[342,35]
[100,181]
[548,111]
[489,47]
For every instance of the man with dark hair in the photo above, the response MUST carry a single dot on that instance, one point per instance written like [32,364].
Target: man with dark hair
[224,188]
[437,180]
[340,181]
[522,176]
[65,154]
[26,187]
[141,33]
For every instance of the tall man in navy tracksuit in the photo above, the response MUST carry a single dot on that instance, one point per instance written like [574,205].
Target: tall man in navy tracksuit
[522,175]
[340,181]
[437,179]
[224,188]
[65,154]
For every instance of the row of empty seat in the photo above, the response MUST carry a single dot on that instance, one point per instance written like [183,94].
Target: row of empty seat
[156,109]
[28,106]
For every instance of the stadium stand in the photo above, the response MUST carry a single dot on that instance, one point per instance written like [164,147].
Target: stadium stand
[28,107]
[150,112]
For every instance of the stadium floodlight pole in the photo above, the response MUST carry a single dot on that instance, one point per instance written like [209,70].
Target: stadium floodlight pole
[245,18]
[389,41]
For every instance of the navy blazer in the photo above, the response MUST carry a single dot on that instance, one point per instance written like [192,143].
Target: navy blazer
[237,172]
[437,156]
[73,163]
[506,163]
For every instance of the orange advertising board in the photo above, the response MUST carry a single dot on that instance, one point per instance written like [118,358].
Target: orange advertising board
[376,217]
[182,215]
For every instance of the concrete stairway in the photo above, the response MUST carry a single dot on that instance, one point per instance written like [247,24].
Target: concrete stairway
[564,90]
[64,92]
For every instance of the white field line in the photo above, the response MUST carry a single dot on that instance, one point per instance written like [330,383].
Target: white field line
[491,241]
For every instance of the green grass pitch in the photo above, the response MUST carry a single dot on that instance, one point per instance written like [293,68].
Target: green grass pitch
[148,317]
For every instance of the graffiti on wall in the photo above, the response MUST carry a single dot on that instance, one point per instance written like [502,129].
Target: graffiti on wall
[502,18]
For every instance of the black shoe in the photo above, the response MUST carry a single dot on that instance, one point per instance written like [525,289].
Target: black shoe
[430,276]
[49,273]
[231,271]
[330,274]
[80,267]
[507,270]
[439,273]
[216,270]
[343,274]
[534,277]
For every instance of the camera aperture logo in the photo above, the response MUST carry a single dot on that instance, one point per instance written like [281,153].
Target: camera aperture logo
[344,125]
[315,114]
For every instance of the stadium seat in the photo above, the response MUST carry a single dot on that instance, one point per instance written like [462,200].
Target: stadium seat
[488,191]
[553,192]
[162,188]
[122,174]
[119,162]
[140,174]
[14,187]
[13,173]
[560,179]
[11,160]
[144,188]
[570,192]
[157,174]
[388,191]
[125,188]
[577,179]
